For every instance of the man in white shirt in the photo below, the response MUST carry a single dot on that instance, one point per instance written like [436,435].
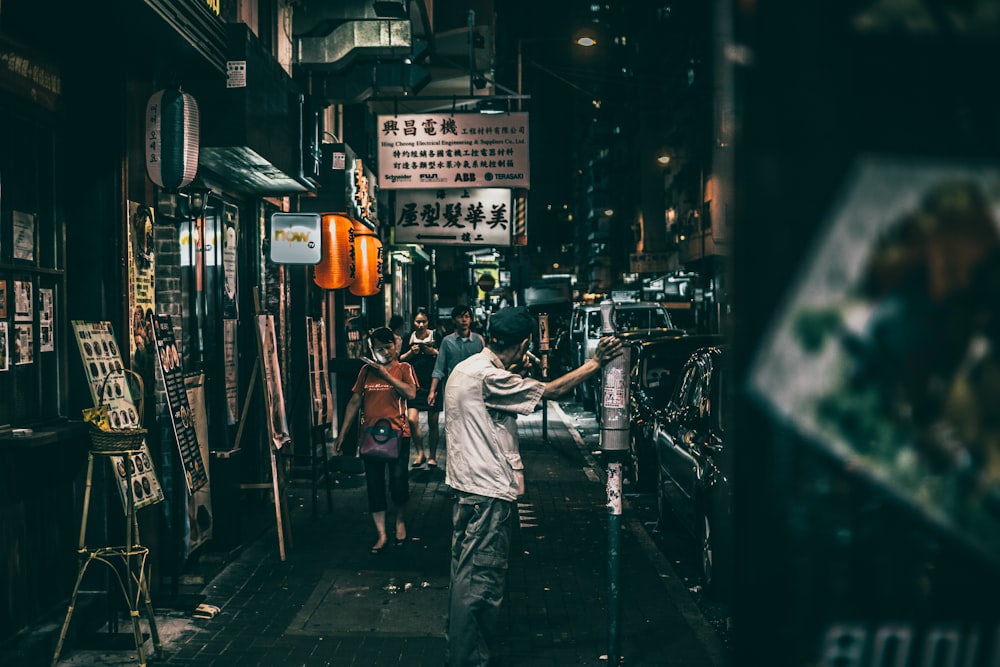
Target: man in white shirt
[482,400]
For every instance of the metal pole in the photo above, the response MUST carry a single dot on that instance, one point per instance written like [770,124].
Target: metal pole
[520,71]
[614,488]
[614,444]
[543,347]
[472,51]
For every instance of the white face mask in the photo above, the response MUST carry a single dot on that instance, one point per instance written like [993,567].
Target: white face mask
[378,356]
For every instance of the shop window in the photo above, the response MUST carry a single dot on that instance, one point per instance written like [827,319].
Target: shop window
[33,345]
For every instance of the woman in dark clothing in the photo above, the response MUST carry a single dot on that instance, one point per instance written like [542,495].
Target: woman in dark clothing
[381,391]
[420,349]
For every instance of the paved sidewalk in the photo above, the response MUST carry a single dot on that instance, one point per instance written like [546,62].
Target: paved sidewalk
[333,603]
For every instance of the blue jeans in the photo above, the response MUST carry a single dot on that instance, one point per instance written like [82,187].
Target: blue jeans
[480,548]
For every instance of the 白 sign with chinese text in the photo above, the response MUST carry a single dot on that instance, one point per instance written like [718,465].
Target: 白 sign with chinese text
[453,151]
[474,216]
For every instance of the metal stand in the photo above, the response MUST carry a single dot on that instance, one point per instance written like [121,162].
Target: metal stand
[131,578]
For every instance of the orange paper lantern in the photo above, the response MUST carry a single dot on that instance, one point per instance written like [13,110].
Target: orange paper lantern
[368,262]
[336,264]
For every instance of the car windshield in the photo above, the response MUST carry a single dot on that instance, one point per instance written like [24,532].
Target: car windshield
[660,369]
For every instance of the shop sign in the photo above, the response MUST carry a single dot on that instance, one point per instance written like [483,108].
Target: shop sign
[28,76]
[295,238]
[363,193]
[474,216]
[420,151]
[650,262]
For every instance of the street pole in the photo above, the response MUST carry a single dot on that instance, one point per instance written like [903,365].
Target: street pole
[520,71]
[614,444]
[543,347]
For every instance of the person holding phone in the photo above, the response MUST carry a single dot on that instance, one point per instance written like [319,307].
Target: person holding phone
[381,391]
[421,351]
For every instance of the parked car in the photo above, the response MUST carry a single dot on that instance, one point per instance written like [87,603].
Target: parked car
[655,360]
[585,333]
[693,444]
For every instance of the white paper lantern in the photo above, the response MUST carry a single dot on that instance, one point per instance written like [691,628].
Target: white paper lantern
[172,138]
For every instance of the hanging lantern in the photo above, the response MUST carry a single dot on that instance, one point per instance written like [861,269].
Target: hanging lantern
[336,264]
[368,262]
[172,138]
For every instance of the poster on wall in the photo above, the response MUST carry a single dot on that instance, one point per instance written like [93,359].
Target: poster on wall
[199,505]
[277,422]
[230,292]
[24,351]
[23,309]
[319,374]
[229,328]
[142,278]
[181,417]
[24,236]
[3,299]
[102,358]
[356,327]
[4,356]
[45,318]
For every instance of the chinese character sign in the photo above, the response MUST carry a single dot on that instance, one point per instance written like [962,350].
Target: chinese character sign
[420,151]
[474,216]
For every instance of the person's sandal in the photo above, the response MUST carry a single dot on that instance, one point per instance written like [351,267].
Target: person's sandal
[431,463]
[419,461]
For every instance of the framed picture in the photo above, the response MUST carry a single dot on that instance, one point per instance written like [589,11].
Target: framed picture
[24,236]
[3,299]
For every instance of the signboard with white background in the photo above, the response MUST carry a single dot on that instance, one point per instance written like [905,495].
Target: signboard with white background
[295,238]
[472,217]
[461,150]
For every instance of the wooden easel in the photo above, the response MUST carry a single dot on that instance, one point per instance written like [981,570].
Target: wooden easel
[276,486]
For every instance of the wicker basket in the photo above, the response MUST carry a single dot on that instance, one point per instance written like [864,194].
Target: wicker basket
[119,439]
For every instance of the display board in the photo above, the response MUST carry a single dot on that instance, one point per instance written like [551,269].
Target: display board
[102,357]
[319,373]
[181,417]
[199,505]
[274,394]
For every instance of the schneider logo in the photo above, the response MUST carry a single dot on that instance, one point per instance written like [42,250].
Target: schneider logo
[504,177]
[396,178]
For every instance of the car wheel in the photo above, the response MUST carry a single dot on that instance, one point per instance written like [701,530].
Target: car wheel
[705,539]
[714,555]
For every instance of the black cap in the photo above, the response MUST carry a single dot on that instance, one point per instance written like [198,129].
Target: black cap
[509,326]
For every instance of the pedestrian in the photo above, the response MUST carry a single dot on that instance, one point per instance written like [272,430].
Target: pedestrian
[421,352]
[381,391]
[457,346]
[396,323]
[483,397]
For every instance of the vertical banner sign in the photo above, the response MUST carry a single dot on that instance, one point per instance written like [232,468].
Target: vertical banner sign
[177,403]
[277,422]
[230,292]
[101,358]
[319,374]
[232,386]
[141,275]
[199,505]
